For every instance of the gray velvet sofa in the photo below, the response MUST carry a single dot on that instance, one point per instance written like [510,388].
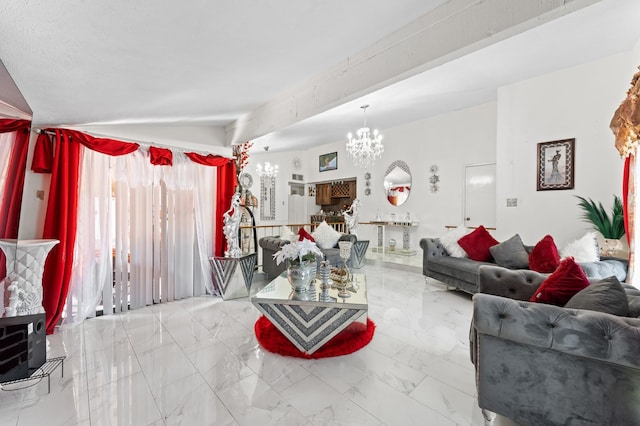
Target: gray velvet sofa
[540,364]
[270,245]
[464,273]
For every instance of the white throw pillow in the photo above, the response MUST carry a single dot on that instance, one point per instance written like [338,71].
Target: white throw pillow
[584,249]
[286,234]
[450,241]
[326,237]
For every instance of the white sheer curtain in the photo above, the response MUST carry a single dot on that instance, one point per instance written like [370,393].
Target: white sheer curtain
[205,196]
[92,252]
[145,233]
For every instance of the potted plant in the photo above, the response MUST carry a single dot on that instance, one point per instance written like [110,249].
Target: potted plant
[302,262]
[611,227]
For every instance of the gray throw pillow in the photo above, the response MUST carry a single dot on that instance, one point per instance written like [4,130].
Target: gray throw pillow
[511,253]
[606,295]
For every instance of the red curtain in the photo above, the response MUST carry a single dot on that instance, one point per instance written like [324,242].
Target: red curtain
[62,206]
[60,223]
[226,186]
[160,156]
[62,210]
[625,195]
[208,160]
[42,161]
[11,202]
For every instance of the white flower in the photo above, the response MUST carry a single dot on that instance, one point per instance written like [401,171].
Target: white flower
[297,252]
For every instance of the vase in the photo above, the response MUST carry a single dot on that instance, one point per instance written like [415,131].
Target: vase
[611,247]
[25,265]
[300,275]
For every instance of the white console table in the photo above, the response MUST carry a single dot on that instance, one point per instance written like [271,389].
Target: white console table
[406,238]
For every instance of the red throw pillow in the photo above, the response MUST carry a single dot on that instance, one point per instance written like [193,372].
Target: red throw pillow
[303,234]
[562,285]
[477,244]
[544,257]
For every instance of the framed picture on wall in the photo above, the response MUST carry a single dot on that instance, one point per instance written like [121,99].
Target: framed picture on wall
[328,162]
[555,165]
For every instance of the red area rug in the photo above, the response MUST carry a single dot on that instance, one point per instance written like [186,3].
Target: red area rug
[349,340]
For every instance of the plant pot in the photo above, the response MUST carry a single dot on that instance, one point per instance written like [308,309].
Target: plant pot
[300,275]
[611,247]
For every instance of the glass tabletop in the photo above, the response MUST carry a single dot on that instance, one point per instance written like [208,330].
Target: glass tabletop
[279,290]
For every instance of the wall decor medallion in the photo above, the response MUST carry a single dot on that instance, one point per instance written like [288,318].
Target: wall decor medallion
[245,180]
[367,183]
[555,165]
[296,163]
[434,178]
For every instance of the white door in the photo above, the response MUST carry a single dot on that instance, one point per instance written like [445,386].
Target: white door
[480,195]
[297,209]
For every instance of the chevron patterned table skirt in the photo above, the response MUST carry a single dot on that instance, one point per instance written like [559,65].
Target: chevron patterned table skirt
[311,319]
[231,281]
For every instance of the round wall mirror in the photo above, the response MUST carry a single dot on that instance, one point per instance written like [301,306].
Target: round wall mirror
[397,182]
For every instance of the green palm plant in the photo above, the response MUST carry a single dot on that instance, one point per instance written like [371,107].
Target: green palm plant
[611,227]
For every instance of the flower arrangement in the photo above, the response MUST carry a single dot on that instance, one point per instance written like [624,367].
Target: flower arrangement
[297,252]
[241,155]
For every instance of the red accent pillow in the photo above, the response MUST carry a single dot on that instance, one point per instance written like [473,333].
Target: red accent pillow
[562,285]
[544,257]
[303,234]
[477,244]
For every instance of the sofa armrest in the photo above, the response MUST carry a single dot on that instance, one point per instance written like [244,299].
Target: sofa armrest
[518,284]
[588,334]
[432,249]
[272,243]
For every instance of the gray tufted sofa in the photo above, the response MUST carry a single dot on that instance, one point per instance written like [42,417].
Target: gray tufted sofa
[541,364]
[270,245]
[464,273]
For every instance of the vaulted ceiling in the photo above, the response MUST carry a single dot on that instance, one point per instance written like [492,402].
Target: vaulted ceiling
[291,73]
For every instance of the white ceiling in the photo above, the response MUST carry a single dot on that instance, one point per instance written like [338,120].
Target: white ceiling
[203,62]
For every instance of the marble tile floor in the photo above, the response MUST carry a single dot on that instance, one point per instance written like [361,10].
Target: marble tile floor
[197,362]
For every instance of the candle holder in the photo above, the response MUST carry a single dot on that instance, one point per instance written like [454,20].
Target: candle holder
[345,254]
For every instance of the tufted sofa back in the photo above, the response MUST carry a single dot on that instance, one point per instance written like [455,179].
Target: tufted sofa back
[589,334]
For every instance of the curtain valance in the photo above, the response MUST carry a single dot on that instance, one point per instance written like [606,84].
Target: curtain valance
[43,152]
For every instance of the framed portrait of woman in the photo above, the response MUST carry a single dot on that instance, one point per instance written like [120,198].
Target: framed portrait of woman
[555,165]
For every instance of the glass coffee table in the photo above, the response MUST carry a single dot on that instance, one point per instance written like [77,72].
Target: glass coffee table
[309,320]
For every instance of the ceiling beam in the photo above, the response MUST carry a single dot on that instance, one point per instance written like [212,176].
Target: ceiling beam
[450,31]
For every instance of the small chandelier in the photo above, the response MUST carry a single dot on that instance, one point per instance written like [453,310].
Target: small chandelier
[364,149]
[267,170]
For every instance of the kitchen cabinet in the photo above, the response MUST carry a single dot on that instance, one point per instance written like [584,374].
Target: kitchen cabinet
[323,194]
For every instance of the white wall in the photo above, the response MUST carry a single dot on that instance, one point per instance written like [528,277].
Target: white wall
[451,141]
[285,163]
[574,103]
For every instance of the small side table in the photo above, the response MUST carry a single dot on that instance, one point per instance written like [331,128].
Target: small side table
[359,251]
[229,280]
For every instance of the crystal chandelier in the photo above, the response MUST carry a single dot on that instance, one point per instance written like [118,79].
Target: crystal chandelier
[267,170]
[365,148]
